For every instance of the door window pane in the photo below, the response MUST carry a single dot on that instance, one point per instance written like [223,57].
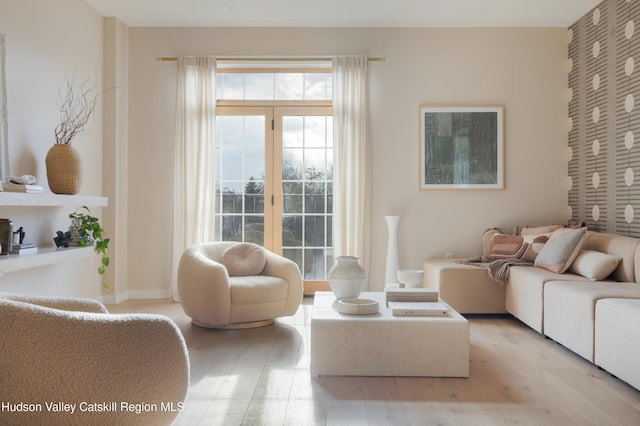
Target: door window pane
[240,192]
[306,216]
[293,132]
[292,164]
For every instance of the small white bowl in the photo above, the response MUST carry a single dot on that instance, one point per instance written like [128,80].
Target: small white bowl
[357,306]
[411,278]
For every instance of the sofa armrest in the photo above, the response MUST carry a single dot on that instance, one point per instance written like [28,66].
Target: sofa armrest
[90,358]
[62,303]
[487,240]
[203,286]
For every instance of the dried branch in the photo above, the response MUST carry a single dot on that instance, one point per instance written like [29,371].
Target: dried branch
[76,104]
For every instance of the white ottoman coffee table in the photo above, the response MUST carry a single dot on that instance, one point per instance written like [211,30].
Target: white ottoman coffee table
[385,345]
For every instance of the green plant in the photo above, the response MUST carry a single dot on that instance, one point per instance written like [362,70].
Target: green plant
[90,232]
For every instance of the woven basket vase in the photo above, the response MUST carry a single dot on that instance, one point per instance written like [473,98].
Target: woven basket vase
[64,169]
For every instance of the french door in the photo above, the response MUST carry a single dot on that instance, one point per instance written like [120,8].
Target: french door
[274,168]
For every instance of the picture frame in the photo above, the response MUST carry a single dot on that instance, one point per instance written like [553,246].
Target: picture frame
[462,147]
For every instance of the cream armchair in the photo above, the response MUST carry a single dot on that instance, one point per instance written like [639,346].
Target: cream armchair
[213,297]
[109,369]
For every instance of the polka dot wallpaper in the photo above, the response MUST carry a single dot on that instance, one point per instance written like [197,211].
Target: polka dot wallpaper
[604,120]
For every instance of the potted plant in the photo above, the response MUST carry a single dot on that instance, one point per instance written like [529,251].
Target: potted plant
[76,103]
[90,233]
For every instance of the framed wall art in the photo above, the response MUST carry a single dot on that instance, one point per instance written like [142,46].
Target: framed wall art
[462,147]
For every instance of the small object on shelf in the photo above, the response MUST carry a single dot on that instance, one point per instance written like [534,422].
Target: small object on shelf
[356,306]
[28,189]
[418,308]
[63,239]
[6,235]
[18,236]
[23,180]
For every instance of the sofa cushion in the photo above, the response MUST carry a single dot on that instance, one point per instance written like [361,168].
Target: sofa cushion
[570,307]
[619,245]
[506,247]
[616,328]
[594,265]
[562,248]
[524,298]
[256,289]
[244,259]
[535,243]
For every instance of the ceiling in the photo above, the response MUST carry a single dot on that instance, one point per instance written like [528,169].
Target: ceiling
[346,13]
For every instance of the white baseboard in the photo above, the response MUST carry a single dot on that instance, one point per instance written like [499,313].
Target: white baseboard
[149,294]
[114,299]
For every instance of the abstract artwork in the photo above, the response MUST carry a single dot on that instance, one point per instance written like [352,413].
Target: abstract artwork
[462,147]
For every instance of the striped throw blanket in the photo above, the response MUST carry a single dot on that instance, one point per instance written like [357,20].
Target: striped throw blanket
[498,270]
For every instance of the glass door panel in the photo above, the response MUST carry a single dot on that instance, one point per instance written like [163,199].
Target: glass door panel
[306,136]
[275,184]
[242,175]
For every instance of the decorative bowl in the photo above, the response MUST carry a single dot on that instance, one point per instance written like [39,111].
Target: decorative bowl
[356,306]
[411,277]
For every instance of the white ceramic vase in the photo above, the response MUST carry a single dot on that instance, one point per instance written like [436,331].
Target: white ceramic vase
[393,253]
[347,278]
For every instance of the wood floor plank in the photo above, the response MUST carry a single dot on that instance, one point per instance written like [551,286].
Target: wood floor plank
[261,377]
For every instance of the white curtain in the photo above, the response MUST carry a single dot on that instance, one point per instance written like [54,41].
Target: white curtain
[351,202]
[194,174]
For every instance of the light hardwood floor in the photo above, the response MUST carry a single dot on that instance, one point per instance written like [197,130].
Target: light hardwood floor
[261,377]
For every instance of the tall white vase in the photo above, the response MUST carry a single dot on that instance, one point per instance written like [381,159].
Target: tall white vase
[393,253]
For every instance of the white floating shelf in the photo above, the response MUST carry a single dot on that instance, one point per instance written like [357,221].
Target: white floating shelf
[19,199]
[45,256]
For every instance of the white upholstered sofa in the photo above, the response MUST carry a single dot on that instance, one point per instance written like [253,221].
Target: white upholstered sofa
[104,366]
[597,319]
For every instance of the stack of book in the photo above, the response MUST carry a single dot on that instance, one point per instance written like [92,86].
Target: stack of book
[415,301]
[24,248]
[16,187]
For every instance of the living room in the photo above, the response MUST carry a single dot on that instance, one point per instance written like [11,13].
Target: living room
[522,68]
[128,146]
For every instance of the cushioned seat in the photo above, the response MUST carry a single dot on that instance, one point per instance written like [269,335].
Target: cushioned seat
[468,289]
[237,285]
[74,351]
[617,338]
[570,311]
[525,293]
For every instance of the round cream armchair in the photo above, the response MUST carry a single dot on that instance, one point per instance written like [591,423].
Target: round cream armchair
[237,285]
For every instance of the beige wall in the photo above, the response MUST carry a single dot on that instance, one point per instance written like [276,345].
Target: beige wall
[44,40]
[524,69]
[116,154]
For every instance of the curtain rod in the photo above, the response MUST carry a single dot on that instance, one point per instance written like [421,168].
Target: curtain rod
[268,59]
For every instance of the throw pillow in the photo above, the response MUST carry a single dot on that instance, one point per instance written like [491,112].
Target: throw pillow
[244,259]
[594,265]
[562,248]
[506,246]
[535,244]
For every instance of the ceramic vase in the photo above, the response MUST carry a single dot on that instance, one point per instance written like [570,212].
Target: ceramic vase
[347,278]
[393,252]
[64,169]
